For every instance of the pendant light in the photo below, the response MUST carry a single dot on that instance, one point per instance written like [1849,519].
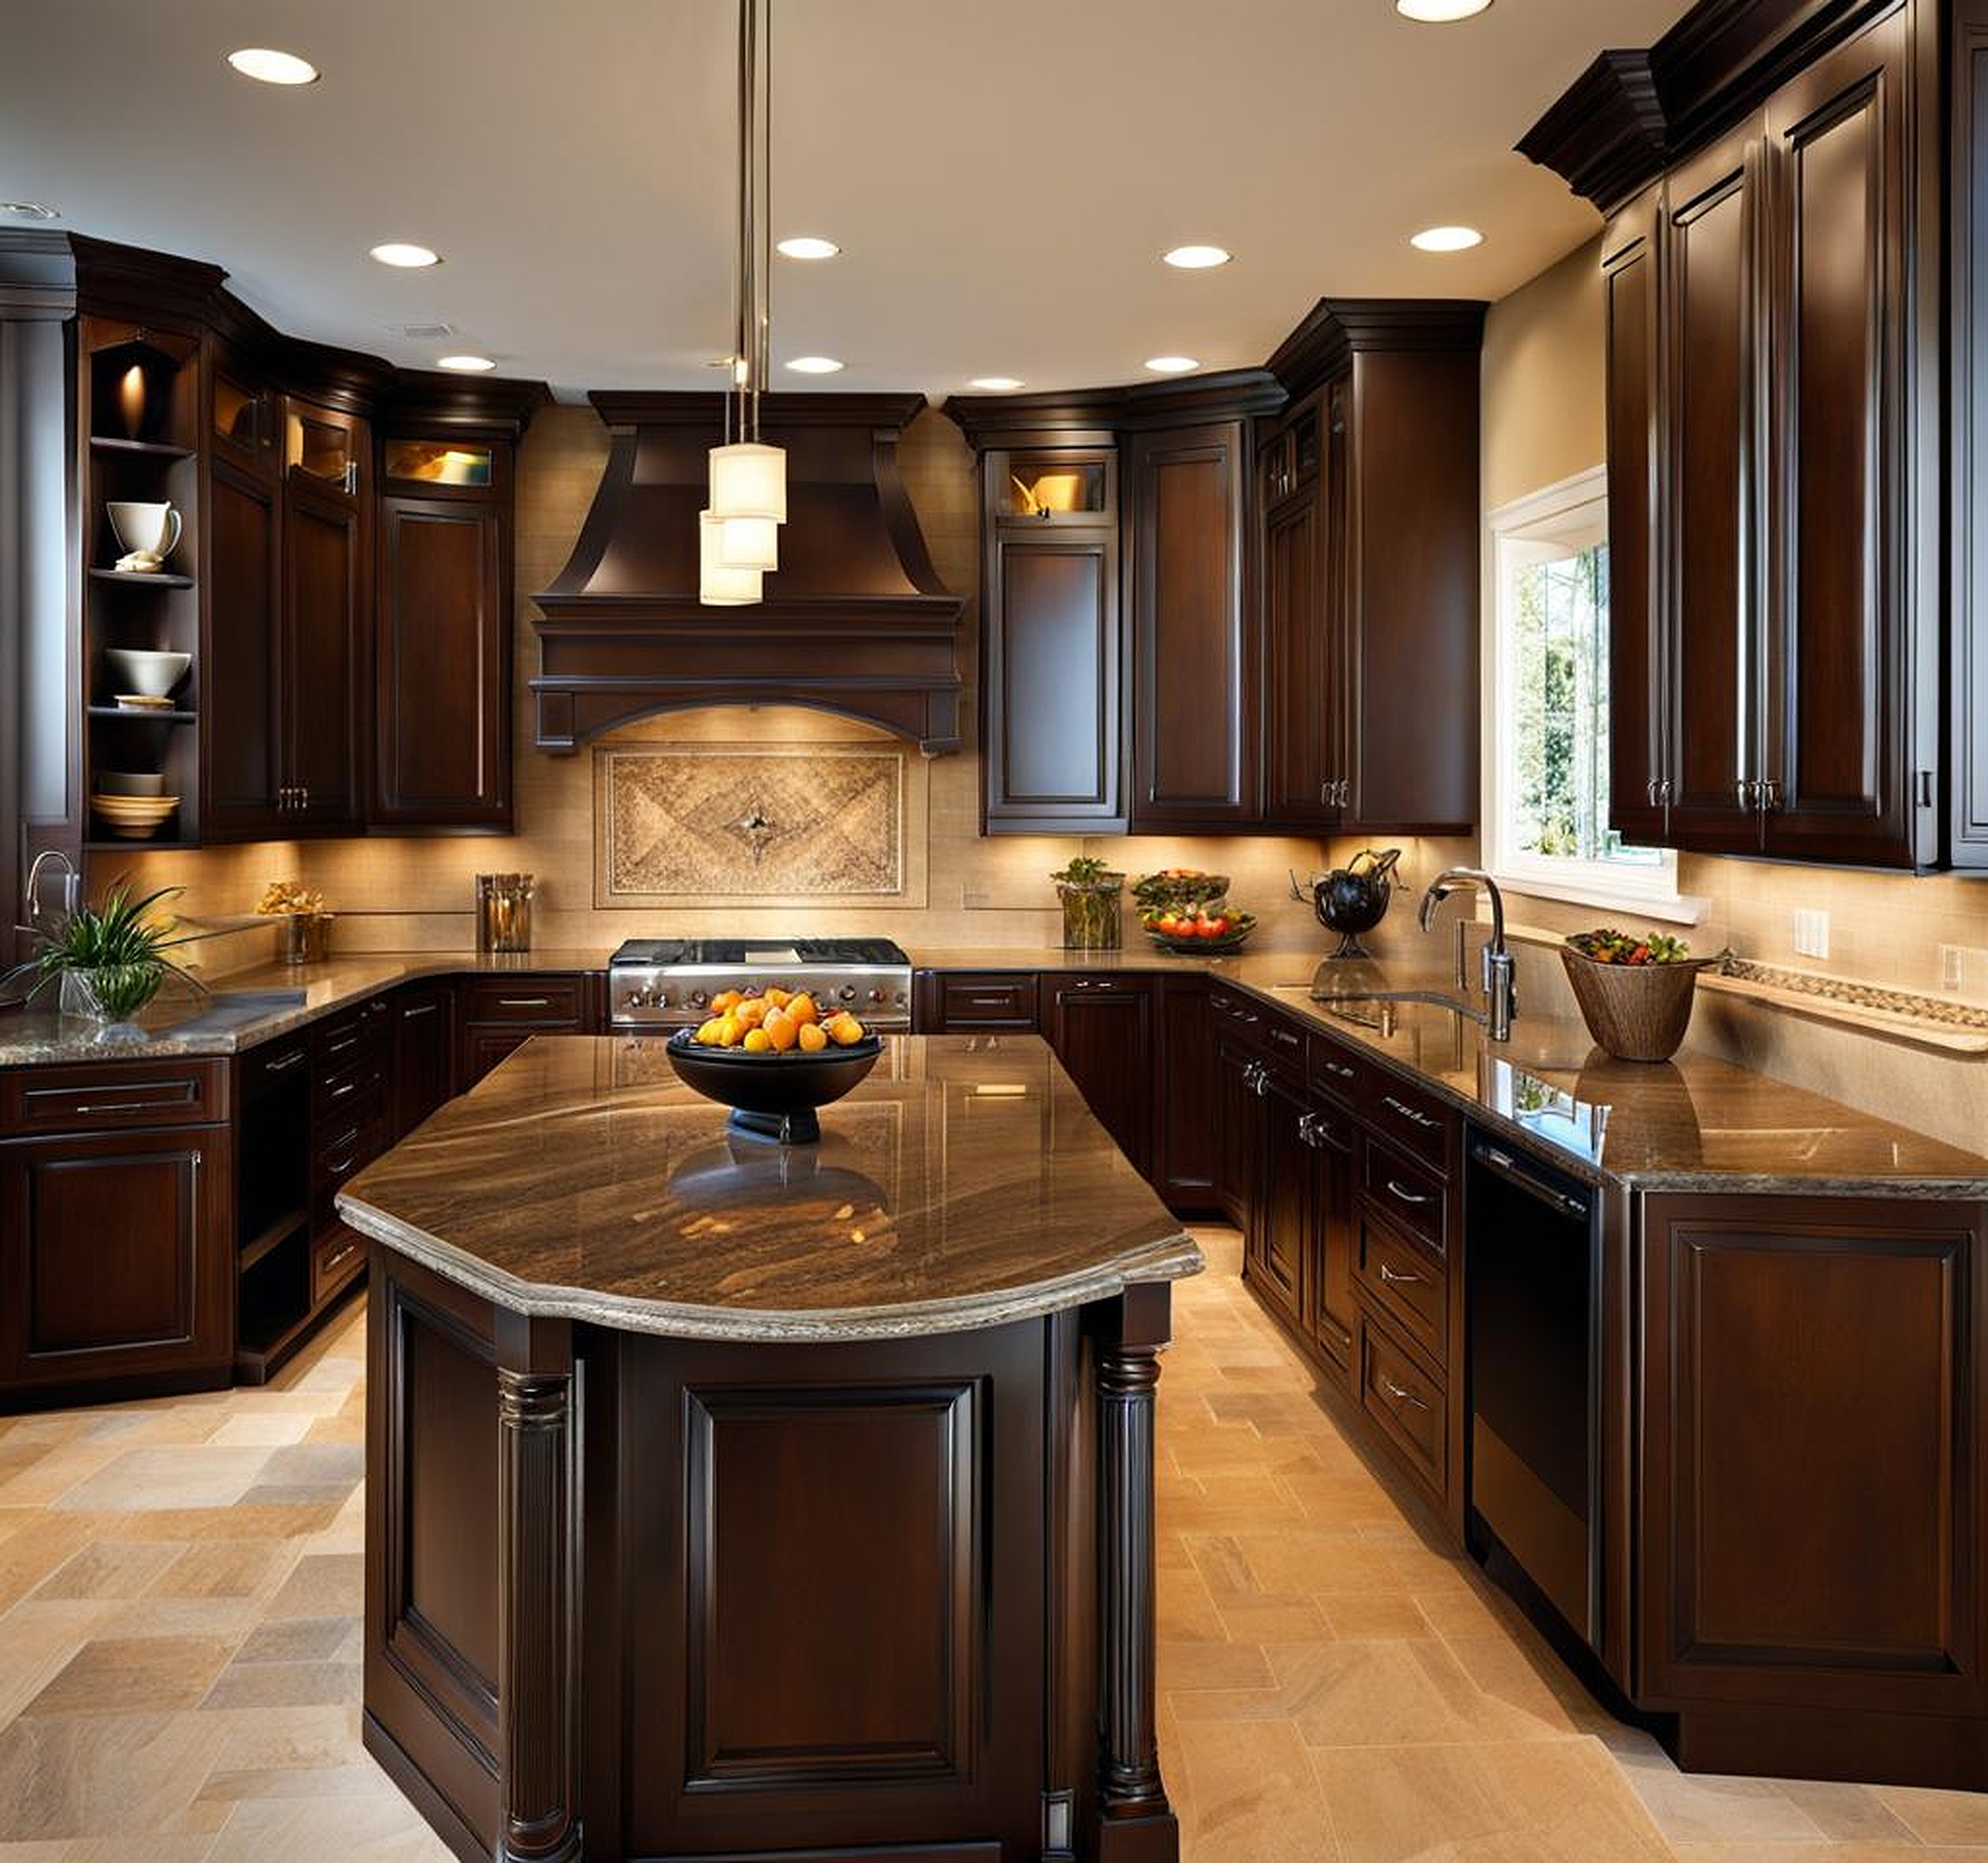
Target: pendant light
[738,531]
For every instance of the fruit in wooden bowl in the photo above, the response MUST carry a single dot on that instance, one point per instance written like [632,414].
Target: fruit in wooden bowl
[1636,994]
[1199,929]
[774,1058]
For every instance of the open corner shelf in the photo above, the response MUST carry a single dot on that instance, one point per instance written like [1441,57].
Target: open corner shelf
[142,716]
[291,1222]
[157,580]
[99,844]
[146,449]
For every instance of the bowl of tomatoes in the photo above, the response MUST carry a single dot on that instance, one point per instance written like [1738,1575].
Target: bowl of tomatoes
[1198,931]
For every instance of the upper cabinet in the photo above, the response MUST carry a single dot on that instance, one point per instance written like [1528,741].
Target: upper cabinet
[1247,601]
[1775,442]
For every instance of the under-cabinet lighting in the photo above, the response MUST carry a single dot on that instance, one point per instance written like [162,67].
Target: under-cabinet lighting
[268,67]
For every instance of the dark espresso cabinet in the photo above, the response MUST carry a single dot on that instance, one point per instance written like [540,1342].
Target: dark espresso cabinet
[1101,1028]
[244,761]
[326,608]
[1775,445]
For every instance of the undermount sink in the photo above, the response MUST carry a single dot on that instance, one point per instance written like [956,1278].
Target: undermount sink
[227,1011]
[1433,997]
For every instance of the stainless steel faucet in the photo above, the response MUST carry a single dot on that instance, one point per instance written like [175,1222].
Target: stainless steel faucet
[1500,972]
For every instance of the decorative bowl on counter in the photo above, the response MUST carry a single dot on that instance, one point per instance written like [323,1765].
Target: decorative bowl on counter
[1178,889]
[1197,933]
[1635,995]
[772,1096]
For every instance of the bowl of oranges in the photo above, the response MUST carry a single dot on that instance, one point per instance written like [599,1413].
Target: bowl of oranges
[774,1058]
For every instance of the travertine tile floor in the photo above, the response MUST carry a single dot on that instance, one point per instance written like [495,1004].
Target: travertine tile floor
[179,1651]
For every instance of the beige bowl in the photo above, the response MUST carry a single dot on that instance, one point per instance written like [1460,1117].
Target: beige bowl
[130,783]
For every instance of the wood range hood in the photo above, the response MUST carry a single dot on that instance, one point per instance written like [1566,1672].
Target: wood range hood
[854,621]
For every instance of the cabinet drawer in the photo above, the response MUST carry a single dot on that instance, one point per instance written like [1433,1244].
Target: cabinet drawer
[336,1257]
[545,1002]
[351,1093]
[266,1068]
[1283,1040]
[1238,1013]
[1335,1068]
[343,1039]
[1408,1117]
[106,1097]
[997,1000]
[1408,1193]
[1407,1282]
[1404,1401]
[352,1147]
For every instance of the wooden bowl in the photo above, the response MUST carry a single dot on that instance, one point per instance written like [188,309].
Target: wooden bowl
[772,1096]
[1636,1012]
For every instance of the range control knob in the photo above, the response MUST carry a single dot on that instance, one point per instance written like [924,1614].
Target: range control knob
[697,999]
[878,996]
[659,997]
[847,993]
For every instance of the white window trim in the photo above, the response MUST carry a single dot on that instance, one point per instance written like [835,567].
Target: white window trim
[1650,892]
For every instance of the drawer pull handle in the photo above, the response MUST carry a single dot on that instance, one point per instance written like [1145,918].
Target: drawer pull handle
[285,1061]
[342,1166]
[119,1105]
[344,1254]
[1399,1394]
[524,1003]
[1407,1112]
[340,1091]
[423,1009]
[1344,1073]
[339,1047]
[1398,1276]
[1285,1037]
[1403,1194]
[990,1002]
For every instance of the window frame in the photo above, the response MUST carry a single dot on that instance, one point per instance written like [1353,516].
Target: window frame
[1556,514]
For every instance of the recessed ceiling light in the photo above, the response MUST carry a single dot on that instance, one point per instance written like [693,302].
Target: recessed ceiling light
[28,210]
[273,67]
[468,365]
[807,246]
[996,385]
[409,258]
[1440,12]
[1447,238]
[1197,258]
[814,365]
[1171,365]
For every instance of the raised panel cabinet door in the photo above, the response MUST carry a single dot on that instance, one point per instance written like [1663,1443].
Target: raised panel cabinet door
[1238,1131]
[1840,655]
[1810,1453]
[324,588]
[1968,343]
[1278,1228]
[1330,1234]
[1631,294]
[1195,652]
[442,682]
[1102,1032]
[423,1036]
[1304,690]
[1184,1111]
[115,1257]
[1055,722]
[242,745]
[1412,589]
[1713,464]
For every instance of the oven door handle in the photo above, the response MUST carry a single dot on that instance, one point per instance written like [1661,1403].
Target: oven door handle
[1502,1164]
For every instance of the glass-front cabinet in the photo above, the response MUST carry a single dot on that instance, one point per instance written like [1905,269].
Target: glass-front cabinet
[325,447]
[1055,485]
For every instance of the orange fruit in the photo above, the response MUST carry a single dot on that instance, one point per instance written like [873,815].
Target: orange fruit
[780,1029]
[757,1042]
[844,1030]
[751,1013]
[707,1033]
[778,997]
[813,1038]
[801,1007]
[724,999]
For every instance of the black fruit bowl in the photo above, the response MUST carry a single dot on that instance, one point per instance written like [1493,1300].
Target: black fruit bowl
[772,1096]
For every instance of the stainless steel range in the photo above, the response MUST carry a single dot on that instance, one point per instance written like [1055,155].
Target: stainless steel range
[667,983]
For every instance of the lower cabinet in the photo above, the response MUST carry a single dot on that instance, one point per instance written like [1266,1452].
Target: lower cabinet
[1101,1028]
[501,1014]
[1811,1500]
[1327,1131]
[1183,1102]
[1278,1236]
[423,1019]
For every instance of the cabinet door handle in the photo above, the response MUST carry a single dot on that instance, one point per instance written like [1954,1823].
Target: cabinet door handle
[1769,790]
[1339,1068]
[1407,1112]
[1403,1194]
[284,1062]
[1308,1131]
[420,1009]
[524,1003]
[119,1106]
[1396,1277]
[1399,1394]
[1745,791]
[340,1091]
[1262,1083]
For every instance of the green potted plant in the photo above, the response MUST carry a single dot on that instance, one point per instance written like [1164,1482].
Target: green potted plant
[1089,892]
[109,960]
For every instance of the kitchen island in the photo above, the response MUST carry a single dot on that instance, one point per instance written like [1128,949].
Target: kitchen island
[727,1498]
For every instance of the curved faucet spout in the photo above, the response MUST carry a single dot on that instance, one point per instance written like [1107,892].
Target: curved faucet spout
[1500,972]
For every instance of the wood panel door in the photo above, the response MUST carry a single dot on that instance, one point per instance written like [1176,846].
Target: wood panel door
[115,1257]
[241,740]
[1841,657]
[325,586]
[1304,645]
[442,666]
[1714,426]
[1639,765]
[1053,728]
[1967,402]
[424,1040]
[1183,1112]
[1194,655]
[1331,1237]
[1238,1128]
[1812,1454]
[1102,1031]
[1280,1221]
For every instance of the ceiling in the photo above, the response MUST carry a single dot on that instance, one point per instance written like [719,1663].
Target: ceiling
[1001,177]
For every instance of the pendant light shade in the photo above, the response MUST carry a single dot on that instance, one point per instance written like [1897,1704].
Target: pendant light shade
[719,584]
[749,480]
[749,542]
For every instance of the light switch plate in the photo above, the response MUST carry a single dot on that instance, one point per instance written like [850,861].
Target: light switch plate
[1811,933]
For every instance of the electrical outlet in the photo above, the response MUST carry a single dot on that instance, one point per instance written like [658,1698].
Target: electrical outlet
[1953,966]
[1811,933]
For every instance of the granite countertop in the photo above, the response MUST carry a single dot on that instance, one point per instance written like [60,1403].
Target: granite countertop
[957,1187]
[1694,1123]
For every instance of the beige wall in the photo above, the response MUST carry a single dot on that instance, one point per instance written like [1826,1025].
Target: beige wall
[1543,360]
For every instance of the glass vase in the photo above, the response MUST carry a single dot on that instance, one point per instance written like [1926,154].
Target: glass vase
[110,999]
[1091,912]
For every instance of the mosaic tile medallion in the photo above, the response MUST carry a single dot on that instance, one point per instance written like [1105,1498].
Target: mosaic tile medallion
[715,822]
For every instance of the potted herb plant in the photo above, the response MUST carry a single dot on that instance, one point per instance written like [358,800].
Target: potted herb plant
[1635,994]
[1089,892]
[109,960]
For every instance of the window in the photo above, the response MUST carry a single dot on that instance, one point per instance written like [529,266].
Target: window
[1547,781]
